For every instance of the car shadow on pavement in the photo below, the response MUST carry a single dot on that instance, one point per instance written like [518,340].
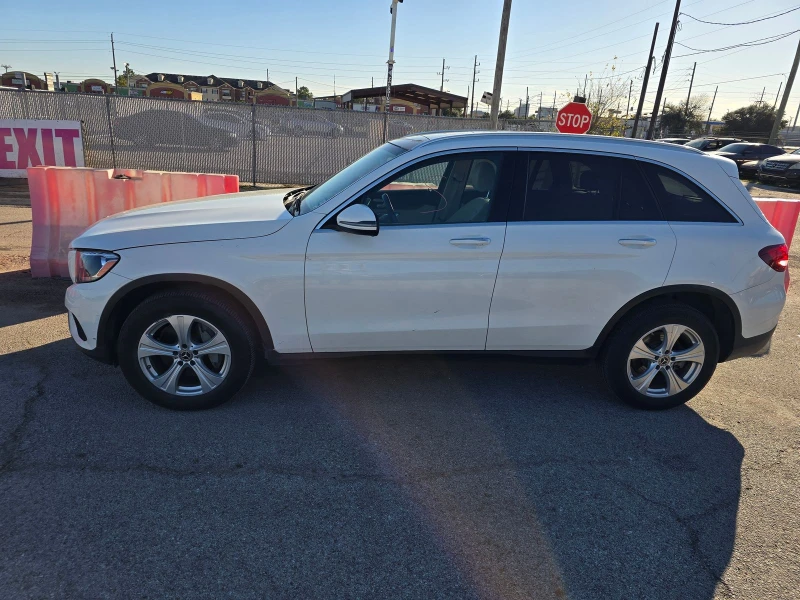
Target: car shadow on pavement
[404,476]
[23,298]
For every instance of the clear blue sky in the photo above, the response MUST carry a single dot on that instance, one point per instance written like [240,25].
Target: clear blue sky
[552,45]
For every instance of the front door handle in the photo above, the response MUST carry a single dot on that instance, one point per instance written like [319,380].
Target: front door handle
[470,242]
[637,242]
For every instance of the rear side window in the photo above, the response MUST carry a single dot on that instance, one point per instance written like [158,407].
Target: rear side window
[584,187]
[682,200]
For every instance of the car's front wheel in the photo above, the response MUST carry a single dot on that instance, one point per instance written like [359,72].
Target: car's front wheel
[186,350]
[661,357]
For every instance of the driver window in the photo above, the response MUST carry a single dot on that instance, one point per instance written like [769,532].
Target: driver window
[455,189]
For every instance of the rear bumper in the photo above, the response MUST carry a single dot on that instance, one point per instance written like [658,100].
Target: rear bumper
[755,346]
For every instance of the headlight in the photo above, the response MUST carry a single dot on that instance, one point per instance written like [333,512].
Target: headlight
[90,265]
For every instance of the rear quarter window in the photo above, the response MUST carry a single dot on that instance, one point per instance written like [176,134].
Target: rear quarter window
[681,200]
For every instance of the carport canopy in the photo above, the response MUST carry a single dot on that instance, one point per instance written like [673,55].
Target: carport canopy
[410,92]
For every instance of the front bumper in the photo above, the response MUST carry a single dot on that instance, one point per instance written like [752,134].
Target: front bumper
[787,177]
[85,303]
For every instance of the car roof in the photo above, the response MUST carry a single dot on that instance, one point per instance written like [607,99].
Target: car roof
[552,140]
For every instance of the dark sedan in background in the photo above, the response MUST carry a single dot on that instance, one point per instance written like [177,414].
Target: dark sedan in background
[783,169]
[710,144]
[745,152]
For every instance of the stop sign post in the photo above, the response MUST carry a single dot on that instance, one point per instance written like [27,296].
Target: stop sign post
[575,117]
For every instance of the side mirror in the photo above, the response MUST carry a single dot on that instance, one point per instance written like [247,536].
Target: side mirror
[358,219]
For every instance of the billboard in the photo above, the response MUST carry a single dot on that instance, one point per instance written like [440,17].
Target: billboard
[29,143]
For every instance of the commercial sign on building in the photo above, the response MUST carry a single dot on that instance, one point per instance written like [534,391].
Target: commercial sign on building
[30,143]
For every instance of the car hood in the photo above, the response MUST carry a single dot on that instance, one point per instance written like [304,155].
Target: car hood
[228,216]
[788,158]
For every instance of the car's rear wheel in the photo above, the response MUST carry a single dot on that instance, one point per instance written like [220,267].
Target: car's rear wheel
[661,357]
[186,350]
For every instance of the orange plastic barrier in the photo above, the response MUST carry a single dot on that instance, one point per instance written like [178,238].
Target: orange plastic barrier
[783,214]
[65,201]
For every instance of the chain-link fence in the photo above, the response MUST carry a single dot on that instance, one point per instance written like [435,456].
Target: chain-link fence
[259,143]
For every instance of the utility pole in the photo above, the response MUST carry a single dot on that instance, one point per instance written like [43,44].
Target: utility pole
[114,59]
[442,74]
[296,94]
[527,102]
[797,114]
[58,83]
[6,67]
[474,73]
[267,75]
[787,90]
[373,82]
[501,60]
[540,106]
[630,92]
[761,100]
[664,69]
[691,83]
[585,80]
[390,62]
[644,83]
[776,96]
[708,121]
[334,88]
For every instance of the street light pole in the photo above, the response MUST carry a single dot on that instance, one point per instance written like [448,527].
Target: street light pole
[501,60]
[114,58]
[390,62]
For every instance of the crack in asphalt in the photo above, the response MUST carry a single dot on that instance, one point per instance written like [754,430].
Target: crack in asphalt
[8,450]
[686,523]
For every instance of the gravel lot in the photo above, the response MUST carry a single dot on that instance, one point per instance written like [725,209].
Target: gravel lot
[413,477]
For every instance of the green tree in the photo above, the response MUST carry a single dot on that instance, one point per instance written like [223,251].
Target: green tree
[122,78]
[754,119]
[506,114]
[303,93]
[677,119]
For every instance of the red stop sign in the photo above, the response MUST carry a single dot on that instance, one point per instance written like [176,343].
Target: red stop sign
[575,117]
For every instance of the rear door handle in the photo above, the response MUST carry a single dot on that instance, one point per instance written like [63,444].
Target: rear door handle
[471,242]
[637,242]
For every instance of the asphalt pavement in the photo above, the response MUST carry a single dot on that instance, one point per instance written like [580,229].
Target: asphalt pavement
[392,477]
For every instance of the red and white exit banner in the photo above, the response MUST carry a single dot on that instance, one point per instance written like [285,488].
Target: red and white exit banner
[30,143]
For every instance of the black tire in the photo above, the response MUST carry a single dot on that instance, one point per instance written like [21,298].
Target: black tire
[218,311]
[614,359]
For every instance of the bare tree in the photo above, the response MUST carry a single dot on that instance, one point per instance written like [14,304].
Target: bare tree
[606,94]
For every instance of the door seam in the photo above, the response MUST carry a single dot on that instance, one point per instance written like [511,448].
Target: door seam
[494,287]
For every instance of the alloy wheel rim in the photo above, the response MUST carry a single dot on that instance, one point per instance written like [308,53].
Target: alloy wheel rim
[665,361]
[184,355]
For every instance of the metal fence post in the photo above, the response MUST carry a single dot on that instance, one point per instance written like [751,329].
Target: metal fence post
[385,126]
[111,132]
[253,136]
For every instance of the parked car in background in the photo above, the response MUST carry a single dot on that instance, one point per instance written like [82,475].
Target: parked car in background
[157,127]
[236,122]
[540,244]
[783,169]
[749,169]
[674,140]
[742,152]
[309,122]
[710,144]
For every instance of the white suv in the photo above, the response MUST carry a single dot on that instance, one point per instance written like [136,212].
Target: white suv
[651,257]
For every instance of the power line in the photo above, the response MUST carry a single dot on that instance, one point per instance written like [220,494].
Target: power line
[786,12]
[758,42]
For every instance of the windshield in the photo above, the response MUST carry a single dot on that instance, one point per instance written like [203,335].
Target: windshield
[734,147]
[350,174]
[696,143]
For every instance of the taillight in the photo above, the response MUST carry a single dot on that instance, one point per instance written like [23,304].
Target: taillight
[777,257]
